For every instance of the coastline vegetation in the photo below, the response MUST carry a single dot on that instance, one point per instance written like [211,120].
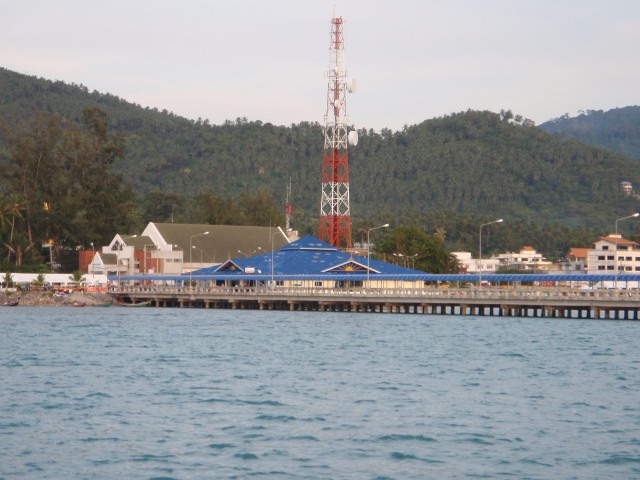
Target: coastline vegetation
[76,167]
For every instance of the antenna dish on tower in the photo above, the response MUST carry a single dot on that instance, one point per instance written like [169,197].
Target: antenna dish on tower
[352,86]
[353,138]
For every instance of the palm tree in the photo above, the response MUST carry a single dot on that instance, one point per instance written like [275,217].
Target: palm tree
[8,280]
[16,206]
[440,234]
[77,278]
[39,281]
[19,246]
[4,213]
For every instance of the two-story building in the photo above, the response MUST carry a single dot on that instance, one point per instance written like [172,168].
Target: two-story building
[474,266]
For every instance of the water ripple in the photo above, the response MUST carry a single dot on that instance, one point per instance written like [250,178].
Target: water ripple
[173,394]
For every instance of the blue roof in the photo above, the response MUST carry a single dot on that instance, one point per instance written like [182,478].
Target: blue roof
[312,259]
[306,256]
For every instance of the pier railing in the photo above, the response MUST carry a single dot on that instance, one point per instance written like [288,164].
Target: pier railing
[426,293]
[521,301]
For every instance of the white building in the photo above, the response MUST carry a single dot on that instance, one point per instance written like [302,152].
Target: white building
[575,261]
[173,249]
[471,265]
[526,259]
[602,257]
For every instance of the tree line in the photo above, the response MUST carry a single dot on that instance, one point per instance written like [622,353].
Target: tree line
[70,156]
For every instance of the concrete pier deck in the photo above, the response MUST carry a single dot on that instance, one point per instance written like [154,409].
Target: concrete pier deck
[520,302]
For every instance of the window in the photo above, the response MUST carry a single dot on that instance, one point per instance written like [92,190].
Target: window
[609,267]
[605,247]
[600,257]
[317,284]
[609,257]
[600,267]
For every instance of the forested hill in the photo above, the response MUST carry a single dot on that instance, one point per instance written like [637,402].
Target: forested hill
[470,163]
[617,130]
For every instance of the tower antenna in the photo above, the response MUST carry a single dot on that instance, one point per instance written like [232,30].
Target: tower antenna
[287,208]
[335,214]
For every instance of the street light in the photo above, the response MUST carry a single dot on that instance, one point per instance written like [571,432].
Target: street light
[144,256]
[190,250]
[200,254]
[615,259]
[249,254]
[480,250]
[369,246]
[413,260]
[93,265]
[273,236]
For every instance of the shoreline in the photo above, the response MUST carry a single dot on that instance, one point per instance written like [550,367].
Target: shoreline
[48,299]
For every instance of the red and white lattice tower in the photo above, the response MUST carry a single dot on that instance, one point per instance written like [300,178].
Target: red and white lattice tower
[335,215]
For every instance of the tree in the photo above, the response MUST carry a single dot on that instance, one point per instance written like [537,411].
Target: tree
[62,174]
[19,247]
[77,278]
[261,209]
[408,241]
[39,281]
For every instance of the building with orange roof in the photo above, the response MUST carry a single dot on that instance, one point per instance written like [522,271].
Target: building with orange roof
[614,253]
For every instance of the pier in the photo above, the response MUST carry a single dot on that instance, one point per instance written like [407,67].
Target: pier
[514,302]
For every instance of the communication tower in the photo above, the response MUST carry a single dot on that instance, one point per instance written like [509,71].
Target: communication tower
[335,215]
[287,208]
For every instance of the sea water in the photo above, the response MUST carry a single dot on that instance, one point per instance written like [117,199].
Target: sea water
[89,393]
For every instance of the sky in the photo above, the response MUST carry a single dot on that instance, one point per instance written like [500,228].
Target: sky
[413,60]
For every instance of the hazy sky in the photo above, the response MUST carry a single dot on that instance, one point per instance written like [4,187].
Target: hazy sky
[266,60]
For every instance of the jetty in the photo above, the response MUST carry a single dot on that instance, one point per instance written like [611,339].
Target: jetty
[554,302]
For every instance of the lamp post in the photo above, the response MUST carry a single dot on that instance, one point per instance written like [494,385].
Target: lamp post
[196,248]
[190,250]
[273,236]
[480,250]
[93,266]
[144,256]
[413,260]
[615,258]
[249,254]
[369,246]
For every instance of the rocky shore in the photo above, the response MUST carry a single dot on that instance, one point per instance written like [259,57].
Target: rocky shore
[49,299]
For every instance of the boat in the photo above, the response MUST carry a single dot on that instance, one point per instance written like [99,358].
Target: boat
[10,303]
[105,304]
[79,304]
[139,304]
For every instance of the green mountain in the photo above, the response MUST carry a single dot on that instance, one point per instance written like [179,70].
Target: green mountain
[617,130]
[476,164]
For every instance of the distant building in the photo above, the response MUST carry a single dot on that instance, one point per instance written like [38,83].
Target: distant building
[173,248]
[626,188]
[471,265]
[602,257]
[526,259]
[309,262]
[575,261]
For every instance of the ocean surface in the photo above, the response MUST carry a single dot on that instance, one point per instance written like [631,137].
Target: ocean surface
[117,393]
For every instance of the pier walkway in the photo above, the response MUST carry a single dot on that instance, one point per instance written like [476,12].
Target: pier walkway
[516,302]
